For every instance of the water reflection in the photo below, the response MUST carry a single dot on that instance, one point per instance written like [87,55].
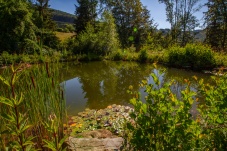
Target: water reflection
[96,85]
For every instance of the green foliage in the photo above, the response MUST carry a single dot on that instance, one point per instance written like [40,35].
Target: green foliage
[100,41]
[133,22]
[15,122]
[220,58]
[16,22]
[30,96]
[143,56]
[86,41]
[180,15]
[163,122]
[50,39]
[86,14]
[53,127]
[195,56]
[213,113]
[69,28]
[42,16]
[216,21]
[118,55]
[107,31]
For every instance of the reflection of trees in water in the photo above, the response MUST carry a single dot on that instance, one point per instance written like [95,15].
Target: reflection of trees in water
[179,76]
[105,83]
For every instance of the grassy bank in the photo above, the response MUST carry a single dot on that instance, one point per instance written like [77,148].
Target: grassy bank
[194,57]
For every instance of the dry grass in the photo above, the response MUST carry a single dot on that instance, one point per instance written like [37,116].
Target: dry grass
[62,36]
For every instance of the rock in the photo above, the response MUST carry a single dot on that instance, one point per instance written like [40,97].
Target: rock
[94,144]
[100,133]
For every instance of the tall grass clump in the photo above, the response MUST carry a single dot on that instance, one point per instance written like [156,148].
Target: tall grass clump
[32,108]
[194,56]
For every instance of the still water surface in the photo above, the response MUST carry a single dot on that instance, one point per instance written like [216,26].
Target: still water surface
[96,85]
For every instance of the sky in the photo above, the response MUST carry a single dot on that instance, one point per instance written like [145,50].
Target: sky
[157,10]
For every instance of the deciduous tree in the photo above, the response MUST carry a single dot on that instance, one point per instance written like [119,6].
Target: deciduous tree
[133,22]
[216,22]
[180,15]
[16,25]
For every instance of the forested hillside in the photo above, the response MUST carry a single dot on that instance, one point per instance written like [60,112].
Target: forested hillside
[61,17]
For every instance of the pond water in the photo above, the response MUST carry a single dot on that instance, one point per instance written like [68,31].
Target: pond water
[96,85]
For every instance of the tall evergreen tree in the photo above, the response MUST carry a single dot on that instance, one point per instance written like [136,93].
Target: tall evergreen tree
[46,26]
[43,18]
[85,13]
[216,22]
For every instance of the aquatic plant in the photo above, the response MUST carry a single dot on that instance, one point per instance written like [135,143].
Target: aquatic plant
[42,97]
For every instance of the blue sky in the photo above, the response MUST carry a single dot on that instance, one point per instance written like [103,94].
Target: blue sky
[157,10]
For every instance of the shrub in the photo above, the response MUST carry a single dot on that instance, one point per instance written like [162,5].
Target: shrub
[117,55]
[195,56]
[164,121]
[102,40]
[143,56]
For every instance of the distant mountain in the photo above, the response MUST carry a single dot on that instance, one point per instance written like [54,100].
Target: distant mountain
[62,18]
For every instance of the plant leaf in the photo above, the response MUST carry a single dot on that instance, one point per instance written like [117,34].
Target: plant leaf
[62,141]
[28,143]
[4,81]
[6,101]
[8,117]
[49,145]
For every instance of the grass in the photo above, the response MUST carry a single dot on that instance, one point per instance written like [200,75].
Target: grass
[43,104]
[63,36]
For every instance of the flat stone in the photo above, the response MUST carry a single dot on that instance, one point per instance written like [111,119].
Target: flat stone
[95,144]
[99,133]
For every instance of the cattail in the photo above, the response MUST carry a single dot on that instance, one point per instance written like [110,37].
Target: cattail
[47,69]
[62,94]
[33,81]
[52,82]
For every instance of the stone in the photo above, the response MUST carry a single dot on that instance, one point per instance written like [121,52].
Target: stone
[99,133]
[95,144]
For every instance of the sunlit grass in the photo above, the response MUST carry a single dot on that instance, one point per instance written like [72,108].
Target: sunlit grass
[62,36]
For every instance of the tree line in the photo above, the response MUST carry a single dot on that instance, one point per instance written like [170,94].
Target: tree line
[134,24]
[102,26]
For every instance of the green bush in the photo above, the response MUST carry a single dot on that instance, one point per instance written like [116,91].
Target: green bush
[60,29]
[143,56]
[164,121]
[101,40]
[117,56]
[195,56]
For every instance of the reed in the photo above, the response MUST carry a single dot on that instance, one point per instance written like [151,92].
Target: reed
[43,102]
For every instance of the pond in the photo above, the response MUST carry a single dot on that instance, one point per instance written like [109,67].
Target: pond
[95,85]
